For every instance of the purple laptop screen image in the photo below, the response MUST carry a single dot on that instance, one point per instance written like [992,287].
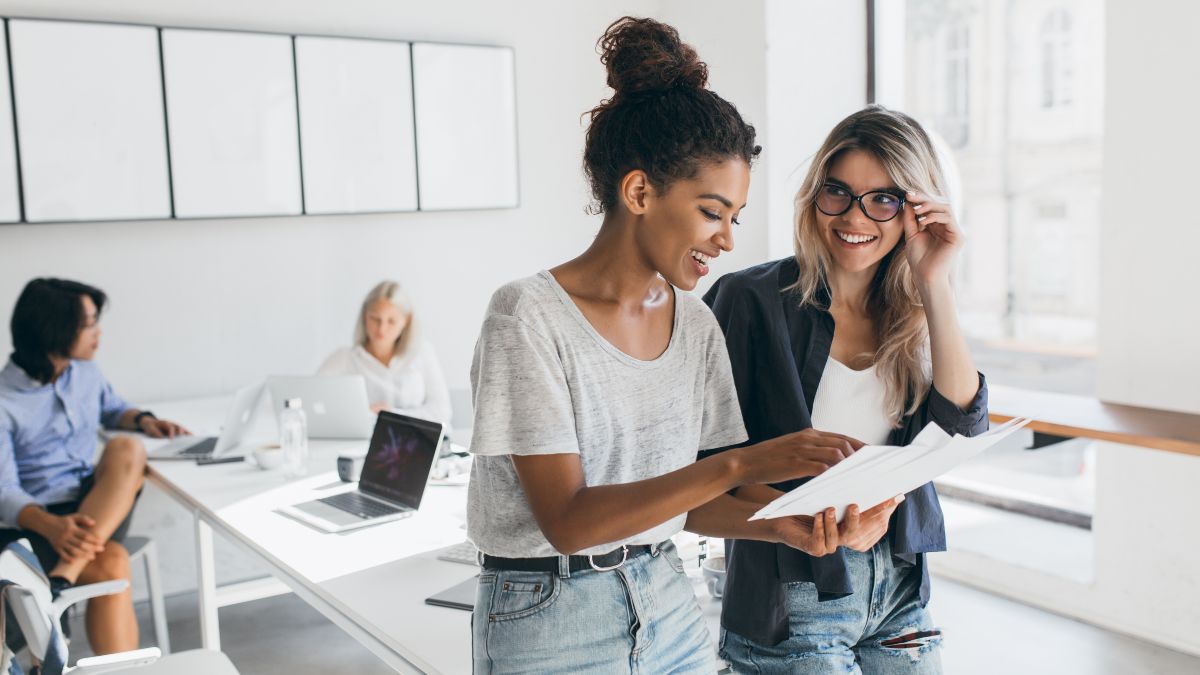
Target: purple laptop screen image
[402,452]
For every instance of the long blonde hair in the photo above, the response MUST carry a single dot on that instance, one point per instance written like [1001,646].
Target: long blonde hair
[390,291]
[893,302]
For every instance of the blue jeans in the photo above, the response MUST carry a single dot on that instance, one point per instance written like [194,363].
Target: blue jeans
[639,618]
[881,629]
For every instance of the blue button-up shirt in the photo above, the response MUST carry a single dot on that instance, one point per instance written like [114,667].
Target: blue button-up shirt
[48,434]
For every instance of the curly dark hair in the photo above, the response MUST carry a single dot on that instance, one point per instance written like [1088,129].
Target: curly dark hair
[661,118]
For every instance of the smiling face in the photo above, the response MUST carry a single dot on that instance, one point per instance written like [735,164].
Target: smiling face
[88,340]
[855,242]
[684,228]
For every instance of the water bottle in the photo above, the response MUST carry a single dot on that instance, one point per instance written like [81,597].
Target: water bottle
[293,438]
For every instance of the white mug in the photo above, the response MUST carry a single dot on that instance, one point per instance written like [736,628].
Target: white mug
[714,575]
[268,457]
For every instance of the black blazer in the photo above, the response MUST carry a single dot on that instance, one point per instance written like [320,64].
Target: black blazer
[778,351]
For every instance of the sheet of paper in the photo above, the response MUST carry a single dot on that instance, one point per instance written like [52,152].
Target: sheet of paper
[877,473]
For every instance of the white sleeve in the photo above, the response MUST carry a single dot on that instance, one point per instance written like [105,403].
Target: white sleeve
[436,405]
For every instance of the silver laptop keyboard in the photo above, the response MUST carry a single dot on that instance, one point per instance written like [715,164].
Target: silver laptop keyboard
[201,449]
[353,502]
[462,552]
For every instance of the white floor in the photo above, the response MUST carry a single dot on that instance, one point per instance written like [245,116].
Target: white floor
[989,635]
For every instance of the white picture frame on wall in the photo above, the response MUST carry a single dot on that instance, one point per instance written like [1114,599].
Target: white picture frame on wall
[231,107]
[10,196]
[356,125]
[88,99]
[466,118]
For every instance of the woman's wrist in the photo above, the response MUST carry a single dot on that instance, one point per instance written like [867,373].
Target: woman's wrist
[933,290]
[770,530]
[733,468]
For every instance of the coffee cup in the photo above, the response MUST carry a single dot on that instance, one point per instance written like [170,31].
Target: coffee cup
[713,569]
[268,457]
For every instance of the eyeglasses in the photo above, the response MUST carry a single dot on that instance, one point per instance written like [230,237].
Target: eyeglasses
[879,205]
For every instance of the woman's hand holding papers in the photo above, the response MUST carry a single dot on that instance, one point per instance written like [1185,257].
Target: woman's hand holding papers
[816,536]
[861,531]
[822,534]
[797,455]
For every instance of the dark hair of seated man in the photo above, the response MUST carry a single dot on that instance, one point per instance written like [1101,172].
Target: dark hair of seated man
[46,322]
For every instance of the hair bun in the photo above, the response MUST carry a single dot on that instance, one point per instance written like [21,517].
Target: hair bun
[646,56]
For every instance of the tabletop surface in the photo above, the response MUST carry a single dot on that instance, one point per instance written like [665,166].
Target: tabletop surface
[1070,415]
[377,577]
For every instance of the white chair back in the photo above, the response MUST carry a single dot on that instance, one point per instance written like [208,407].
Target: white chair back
[29,596]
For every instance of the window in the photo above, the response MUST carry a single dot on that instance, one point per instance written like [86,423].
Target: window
[1013,94]
[955,124]
[1057,69]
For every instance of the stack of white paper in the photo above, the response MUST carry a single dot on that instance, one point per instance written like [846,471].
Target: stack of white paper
[879,472]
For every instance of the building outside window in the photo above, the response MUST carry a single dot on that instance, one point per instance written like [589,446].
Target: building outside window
[1057,66]
[1014,89]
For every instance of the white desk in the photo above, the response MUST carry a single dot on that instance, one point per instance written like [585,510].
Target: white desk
[372,582]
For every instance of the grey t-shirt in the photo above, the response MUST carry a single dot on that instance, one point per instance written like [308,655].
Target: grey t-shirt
[545,382]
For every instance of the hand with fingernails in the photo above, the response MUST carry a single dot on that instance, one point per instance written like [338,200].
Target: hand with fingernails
[821,535]
[861,531]
[932,236]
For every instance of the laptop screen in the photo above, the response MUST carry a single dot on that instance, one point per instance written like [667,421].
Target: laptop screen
[401,454]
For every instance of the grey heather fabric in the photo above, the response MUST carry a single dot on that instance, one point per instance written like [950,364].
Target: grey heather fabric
[546,382]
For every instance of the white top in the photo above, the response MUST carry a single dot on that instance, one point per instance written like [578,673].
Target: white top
[850,402]
[546,382]
[411,386]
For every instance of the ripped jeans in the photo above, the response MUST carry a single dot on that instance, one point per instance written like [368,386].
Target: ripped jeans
[881,629]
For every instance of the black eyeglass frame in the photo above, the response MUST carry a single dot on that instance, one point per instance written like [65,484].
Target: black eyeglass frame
[859,198]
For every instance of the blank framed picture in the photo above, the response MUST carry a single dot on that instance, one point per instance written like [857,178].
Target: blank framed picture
[465,100]
[231,111]
[358,148]
[10,205]
[89,121]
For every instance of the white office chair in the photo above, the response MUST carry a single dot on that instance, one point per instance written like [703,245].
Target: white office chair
[143,549]
[27,593]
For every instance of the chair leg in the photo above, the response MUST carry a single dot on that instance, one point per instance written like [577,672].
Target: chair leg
[157,607]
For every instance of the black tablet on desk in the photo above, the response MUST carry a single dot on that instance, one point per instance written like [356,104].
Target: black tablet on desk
[459,596]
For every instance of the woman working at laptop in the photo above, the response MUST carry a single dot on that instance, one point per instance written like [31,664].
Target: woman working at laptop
[402,372]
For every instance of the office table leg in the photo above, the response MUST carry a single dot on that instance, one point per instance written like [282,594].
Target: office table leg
[206,586]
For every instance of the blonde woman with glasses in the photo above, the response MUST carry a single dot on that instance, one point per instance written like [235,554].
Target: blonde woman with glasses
[401,369]
[856,334]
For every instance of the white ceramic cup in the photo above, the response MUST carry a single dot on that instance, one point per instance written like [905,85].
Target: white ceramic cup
[268,457]
[714,575]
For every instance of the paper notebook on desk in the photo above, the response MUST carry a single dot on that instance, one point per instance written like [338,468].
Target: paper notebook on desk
[879,472]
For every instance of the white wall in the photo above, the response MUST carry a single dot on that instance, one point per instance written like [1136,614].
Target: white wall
[202,307]
[1150,238]
[816,75]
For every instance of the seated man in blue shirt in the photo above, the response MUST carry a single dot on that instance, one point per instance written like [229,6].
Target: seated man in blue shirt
[72,509]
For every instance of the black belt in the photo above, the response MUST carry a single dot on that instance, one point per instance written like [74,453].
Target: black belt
[576,563]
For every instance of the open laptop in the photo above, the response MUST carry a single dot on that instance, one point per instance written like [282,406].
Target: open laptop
[237,422]
[335,405]
[392,482]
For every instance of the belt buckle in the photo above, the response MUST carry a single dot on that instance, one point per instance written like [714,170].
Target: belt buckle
[624,557]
